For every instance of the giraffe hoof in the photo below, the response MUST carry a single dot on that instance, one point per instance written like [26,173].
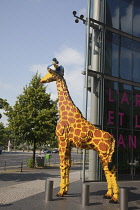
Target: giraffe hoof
[112,201]
[59,195]
[107,196]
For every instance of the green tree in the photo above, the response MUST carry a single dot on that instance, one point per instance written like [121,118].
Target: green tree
[2,133]
[34,116]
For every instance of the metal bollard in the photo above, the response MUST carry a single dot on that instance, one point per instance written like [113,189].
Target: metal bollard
[48,190]
[21,166]
[85,195]
[123,199]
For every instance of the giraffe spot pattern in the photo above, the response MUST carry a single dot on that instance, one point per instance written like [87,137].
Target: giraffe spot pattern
[71,120]
[65,102]
[102,146]
[61,98]
[64,113]
[97,133]
[62,108]
[61,92]
[77,131]
[78,125]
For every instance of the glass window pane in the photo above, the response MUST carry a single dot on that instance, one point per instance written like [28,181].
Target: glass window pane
[125,42]
[111,59]
[112,37]
[125,154]
[136,108]
[136,46]
[136,18]
[136,67]
[125,63]
[136,156]
[126,11]
[112,13]
[125,106]
[110,103]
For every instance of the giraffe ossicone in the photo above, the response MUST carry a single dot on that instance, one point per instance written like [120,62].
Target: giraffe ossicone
[74,130]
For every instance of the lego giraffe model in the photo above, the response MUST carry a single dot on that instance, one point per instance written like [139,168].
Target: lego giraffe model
[74,130]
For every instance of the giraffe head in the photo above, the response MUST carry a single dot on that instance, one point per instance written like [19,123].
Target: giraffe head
[55,71]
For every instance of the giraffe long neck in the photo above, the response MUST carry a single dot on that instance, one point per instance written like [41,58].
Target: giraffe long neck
[66,105]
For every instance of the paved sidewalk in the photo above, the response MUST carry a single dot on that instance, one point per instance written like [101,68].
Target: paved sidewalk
[26,191]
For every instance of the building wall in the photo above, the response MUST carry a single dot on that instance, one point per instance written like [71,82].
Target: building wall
[120,81]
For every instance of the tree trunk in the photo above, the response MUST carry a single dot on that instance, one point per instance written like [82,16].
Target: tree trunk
[34,149]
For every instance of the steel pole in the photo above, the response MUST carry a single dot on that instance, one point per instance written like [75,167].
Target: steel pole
[85,195]
[48,190]
[123,199]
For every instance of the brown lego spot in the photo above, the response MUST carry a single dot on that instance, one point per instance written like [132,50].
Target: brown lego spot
[102,147]
[71,136]
[83,124]
[65,117]
[73,109]
[84,129]
[64,123]
[61,131]
[61,92]
[61,98]
[78,125]
[90,134]
[61,138]
[71,120]
[65,102]
[76,138]
[77,115]
[71,129]
[63,144]
[106,135]
[83,135]
[79,121]
[96,141]
[68,108]
[77,131]
[62,108]
[67,98]
[92,127]
[64,113]
[97,133]
[70,114]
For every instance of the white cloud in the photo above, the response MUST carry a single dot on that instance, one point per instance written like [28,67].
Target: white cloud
[69,56]
[73,62]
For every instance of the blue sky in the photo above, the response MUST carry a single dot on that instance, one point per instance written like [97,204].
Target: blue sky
[32,33]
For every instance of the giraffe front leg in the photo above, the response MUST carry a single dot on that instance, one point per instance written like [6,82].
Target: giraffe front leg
[113,189]
[65,163]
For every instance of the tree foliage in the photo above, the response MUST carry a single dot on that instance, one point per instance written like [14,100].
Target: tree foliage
[3,130]
[34,116]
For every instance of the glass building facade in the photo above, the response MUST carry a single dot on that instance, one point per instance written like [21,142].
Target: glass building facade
[118,77]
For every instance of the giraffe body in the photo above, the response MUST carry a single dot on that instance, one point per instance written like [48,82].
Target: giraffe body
[74,130]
